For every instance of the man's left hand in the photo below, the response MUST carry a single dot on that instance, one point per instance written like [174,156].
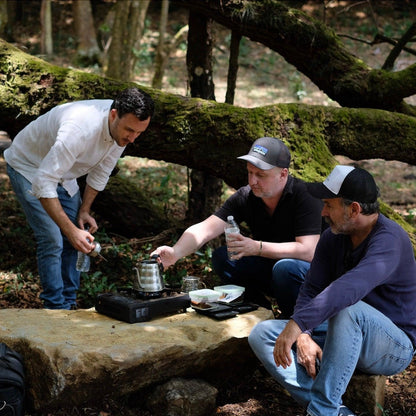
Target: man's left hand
[243,246]
[84,219]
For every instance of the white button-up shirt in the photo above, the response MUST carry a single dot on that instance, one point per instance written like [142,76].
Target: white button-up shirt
[69,141]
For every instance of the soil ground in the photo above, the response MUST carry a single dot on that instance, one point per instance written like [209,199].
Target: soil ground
[264,78]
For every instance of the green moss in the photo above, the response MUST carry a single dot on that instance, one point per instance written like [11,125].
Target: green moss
[393,215]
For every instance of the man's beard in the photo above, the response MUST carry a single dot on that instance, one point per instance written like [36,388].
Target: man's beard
[344,228]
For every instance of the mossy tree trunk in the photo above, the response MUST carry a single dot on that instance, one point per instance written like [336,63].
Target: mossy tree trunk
[207,135]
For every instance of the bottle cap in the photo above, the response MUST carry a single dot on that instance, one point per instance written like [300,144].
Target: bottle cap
[97,249]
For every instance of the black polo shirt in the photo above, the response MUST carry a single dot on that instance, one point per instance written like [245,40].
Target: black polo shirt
[297,214]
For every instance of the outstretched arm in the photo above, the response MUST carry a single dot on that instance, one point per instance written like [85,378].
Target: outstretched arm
[191,240]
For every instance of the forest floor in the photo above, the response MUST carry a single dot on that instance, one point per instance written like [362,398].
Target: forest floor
[263,79]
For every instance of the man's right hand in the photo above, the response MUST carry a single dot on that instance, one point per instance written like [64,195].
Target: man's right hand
[81,240]
[308,352]
[76,236]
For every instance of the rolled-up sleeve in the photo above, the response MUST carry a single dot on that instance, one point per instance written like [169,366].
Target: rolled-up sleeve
[98,177]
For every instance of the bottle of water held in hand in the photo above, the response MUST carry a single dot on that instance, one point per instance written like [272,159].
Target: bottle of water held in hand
[83,259]
[230,228]
[83,262]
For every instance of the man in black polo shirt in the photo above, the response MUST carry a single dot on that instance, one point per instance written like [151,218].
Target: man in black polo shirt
[284,222]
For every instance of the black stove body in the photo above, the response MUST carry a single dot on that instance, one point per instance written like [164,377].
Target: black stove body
[131,306]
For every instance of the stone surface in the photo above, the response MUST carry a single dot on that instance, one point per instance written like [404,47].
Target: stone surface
[74,357]
[366,392]
[181,397]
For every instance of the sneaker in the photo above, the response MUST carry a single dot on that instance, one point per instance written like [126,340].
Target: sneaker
[344,411]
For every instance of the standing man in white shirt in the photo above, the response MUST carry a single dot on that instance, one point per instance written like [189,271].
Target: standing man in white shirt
[44,162]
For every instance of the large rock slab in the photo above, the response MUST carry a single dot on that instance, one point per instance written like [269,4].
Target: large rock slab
[77,357]
[366,392]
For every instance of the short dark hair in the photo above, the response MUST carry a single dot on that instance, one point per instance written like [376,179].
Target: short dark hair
[368,208]
[134,101]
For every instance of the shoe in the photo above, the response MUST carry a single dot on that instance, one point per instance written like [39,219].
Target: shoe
[344,411]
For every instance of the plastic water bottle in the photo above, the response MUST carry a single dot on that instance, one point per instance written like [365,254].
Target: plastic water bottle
[230,228]
[83,262]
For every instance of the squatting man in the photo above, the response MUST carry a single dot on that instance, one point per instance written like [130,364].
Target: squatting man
[356,308]
[43,163]
[284,222]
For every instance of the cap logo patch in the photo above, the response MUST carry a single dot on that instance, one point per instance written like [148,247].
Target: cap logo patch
[260,150]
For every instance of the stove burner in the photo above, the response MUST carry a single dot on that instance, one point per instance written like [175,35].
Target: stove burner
[133,306]
[140,294]
[146,295]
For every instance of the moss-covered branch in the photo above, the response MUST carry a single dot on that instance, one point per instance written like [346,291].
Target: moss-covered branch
[315,50]
[208,135]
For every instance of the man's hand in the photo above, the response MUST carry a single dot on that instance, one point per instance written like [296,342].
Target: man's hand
[81,240]
[308,351]
[85,219]
[84,216]
[283,346]
[243,246]
[167,255]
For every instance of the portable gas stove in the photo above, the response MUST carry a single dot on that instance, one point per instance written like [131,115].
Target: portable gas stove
[132,306]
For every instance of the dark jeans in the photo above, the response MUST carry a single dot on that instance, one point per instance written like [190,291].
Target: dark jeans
[260,276]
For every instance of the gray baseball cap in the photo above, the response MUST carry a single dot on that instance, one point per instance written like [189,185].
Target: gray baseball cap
[267,153]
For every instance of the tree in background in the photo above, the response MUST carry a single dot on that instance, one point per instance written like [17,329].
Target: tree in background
[161,50]
[205,193]
[126,35]
[46,43]
[88,52]
[3,19]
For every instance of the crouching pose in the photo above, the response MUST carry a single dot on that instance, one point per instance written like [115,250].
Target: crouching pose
[356,308]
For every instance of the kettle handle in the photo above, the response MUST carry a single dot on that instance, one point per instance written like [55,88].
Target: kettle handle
[157,256]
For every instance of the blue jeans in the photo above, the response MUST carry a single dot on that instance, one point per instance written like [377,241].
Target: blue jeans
[281,279]
[56,257]
[359,337]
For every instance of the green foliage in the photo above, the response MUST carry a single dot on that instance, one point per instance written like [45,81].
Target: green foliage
[383,411]
[165,182]
[144,55]
[93,284]
[297,85]
[198,264]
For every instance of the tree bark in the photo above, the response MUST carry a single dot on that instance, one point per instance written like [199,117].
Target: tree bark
[127,33]
[199,57]
[46,20]
[205,193]
[233,67]
[399,46]
[161,55]
[3,19]
[315,50]
[88,52]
